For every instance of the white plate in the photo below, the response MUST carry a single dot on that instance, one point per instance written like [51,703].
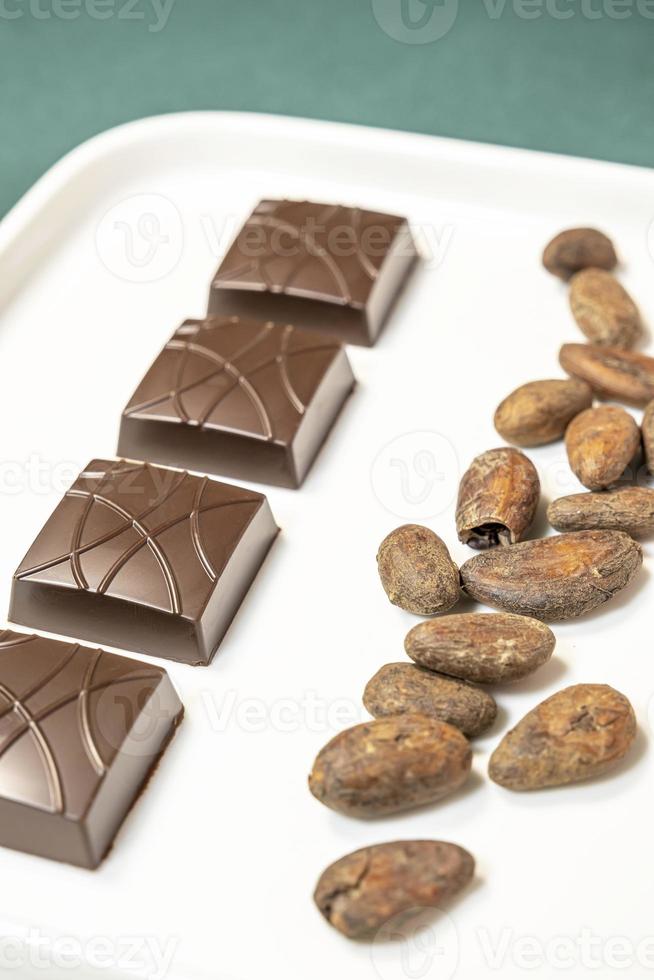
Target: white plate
[217,862]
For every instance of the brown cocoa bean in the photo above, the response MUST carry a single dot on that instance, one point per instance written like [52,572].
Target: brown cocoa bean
[613,373]
[603,309]
[365,890]
[489,648]
[601,443]
[629,509]
[498,497]
[581,732]
[554,578]
[578,248]
[540,411]
[390,765]
[400,688]
[417,572]
[648,436]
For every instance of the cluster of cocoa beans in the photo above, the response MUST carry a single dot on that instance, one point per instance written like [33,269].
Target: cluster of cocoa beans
[417,749]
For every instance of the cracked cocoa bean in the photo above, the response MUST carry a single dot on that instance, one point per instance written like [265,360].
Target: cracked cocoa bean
[417,572]
[629,509]
[581,732]
[498,497]
[603,309]
[404,688]
[601,443]
[554,578]
[540,411]
[613,373]
[390,765]
[578,248]
[488,648]
[365,890]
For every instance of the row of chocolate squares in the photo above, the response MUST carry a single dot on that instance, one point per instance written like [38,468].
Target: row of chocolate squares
[144,557]
[245,394]
[157,560]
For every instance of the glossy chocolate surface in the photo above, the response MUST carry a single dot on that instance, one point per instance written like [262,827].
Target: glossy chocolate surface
[80,731]
[238,397]
[144,558]
[318,266]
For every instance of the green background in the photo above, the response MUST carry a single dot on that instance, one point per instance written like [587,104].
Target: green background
[582,85]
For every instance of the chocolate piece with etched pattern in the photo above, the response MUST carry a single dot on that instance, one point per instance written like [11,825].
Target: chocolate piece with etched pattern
[238,397]
[80,732]
[321,266]
[144,558]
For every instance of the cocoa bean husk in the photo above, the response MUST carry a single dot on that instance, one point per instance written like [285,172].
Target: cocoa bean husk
[498,498]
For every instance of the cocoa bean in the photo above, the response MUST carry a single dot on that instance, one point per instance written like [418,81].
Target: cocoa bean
[365,890]
[601,443]
[581,732]
[498,497]
[554,578]
[398,689]
[488,648]
[578,248]
[603,309]
[613,373]
[390,765]
[417,572]
[629,509]
[540,411]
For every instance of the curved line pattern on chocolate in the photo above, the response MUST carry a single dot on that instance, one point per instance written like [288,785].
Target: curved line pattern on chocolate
[239,267]
[90,747]
[183,348]
[308,242]
[69,699]
[196,537]
[43,747]
[148,536]
[81,687]
[282,360]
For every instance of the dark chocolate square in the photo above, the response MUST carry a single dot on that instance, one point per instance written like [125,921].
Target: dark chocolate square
[144,558]
[318,266]
[238,397]
[80,732]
